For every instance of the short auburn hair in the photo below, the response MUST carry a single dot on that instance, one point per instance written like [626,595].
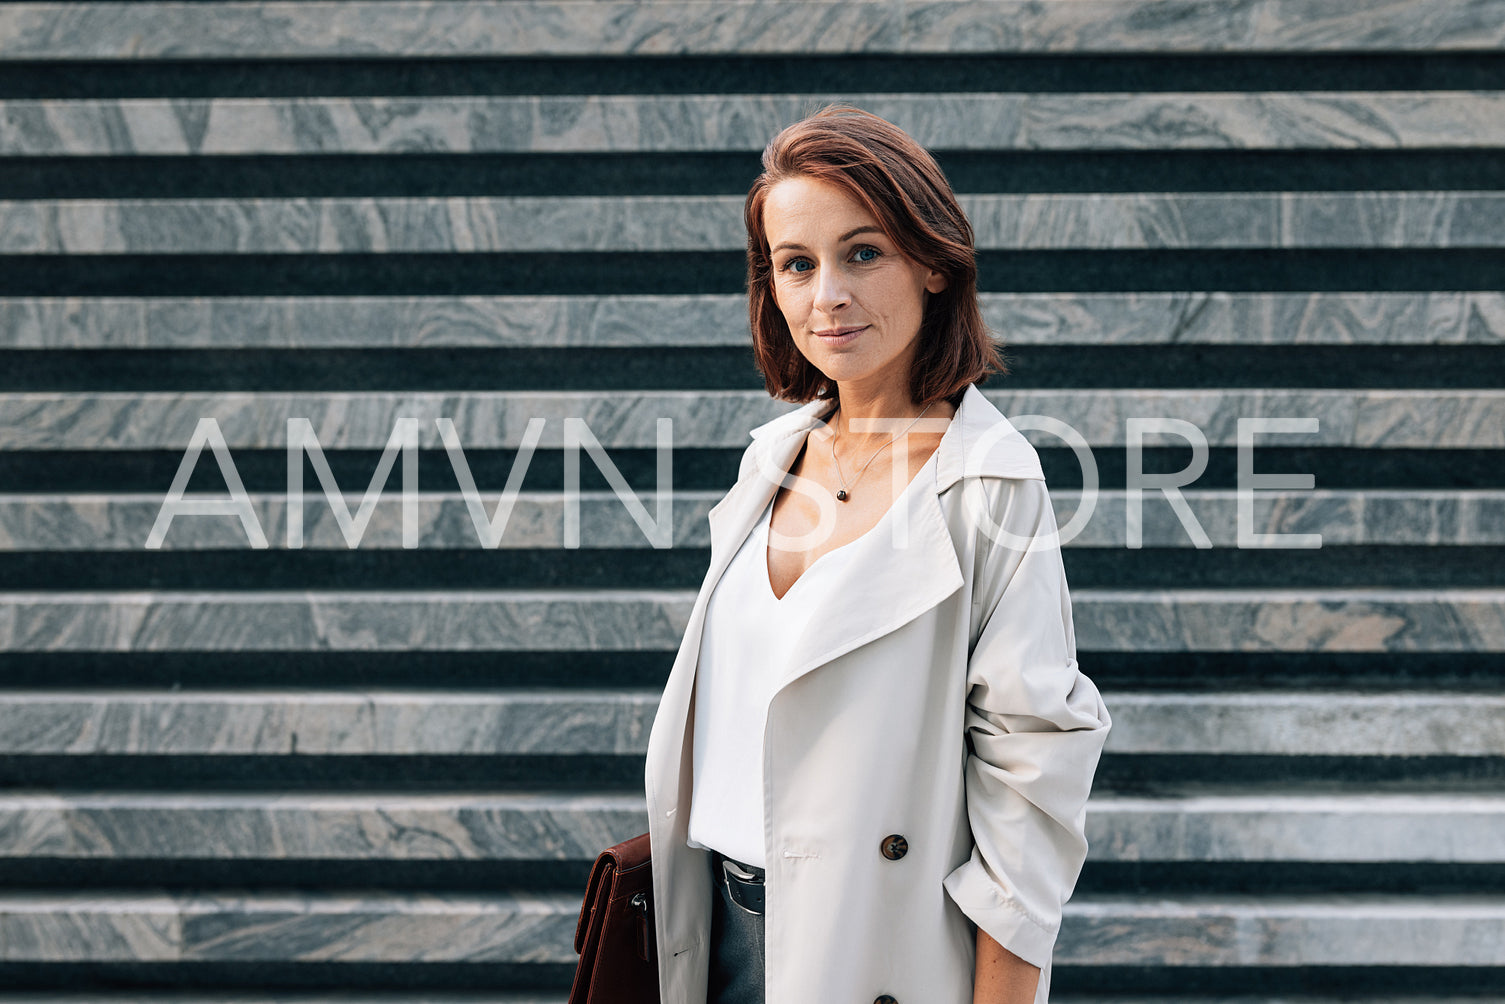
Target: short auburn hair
[899,182]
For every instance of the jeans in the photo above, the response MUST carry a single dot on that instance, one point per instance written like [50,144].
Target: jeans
[736,962]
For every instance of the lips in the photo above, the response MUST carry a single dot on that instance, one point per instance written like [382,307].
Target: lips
[839,332]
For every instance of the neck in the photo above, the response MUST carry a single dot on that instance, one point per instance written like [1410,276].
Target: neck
[850,421]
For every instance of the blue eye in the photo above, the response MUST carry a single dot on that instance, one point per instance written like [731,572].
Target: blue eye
[789,266]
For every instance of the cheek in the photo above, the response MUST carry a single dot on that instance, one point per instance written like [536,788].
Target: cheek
[785,296]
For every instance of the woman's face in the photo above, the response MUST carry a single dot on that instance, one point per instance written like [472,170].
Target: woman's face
[834,269]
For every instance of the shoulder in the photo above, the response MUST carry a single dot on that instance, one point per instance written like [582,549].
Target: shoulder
[1018,503]
[1001,518]
[749,461]
[982,443]
[789,423]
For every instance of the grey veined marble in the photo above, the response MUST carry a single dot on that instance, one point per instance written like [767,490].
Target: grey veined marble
[616,723]
[714,223]
[1428,419]
[1233,620]
[383,827]
[1328,827]
[1243,318]
[1331,930]
[97,521]
[625,123]
[551,27]
[1312,723]
[327,723]
[646,320]
[449,520]
[1291,620]
[559,621]
[416,928]
[1106,930]
[393,827]
[1340,517]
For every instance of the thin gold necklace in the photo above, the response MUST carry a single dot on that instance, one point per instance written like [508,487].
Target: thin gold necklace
[842,495]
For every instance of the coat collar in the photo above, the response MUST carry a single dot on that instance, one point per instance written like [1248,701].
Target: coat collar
[885,588]
[963,450]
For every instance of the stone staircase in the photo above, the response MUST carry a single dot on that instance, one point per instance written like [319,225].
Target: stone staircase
[378,773]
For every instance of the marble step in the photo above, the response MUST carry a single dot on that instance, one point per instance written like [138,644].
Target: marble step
[1326,120]
[601,722]
[1147,620]
[700,27]
[483,224]
[240,927]
[1108,930]
[1311,723]
[1330,827]
[1330,930]
[97,521]
[366,420]
[326,722]
[649,321]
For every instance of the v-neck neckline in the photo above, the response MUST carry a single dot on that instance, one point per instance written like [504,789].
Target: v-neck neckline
[767,524]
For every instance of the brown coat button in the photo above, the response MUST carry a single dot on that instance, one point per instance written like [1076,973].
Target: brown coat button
[884,999]
[894,847]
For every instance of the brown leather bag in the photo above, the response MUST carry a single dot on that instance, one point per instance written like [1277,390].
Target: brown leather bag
[615,933]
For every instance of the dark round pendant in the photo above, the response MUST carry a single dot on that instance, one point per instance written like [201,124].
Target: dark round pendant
[841,496]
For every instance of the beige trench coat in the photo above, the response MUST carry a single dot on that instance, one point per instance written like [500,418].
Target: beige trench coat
[939,700]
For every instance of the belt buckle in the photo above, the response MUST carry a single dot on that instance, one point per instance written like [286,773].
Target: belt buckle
[727,873]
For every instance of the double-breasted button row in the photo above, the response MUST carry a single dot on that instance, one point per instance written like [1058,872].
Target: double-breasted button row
[894,847]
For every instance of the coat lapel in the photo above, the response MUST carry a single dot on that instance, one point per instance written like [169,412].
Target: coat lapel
[915,566]
[731,520]
[884,585]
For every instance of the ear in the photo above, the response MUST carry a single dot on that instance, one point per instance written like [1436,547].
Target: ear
[935,281]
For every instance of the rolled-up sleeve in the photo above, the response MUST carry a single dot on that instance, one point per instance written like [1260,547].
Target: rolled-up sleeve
[1035,729]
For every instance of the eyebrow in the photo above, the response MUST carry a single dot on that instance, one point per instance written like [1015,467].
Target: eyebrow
[844,237]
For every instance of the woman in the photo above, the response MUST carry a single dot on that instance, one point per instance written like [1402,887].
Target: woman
[868,773]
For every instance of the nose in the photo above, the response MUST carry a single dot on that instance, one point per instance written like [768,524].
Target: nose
[831,290]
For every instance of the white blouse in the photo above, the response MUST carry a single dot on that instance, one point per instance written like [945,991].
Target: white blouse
[743,653]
